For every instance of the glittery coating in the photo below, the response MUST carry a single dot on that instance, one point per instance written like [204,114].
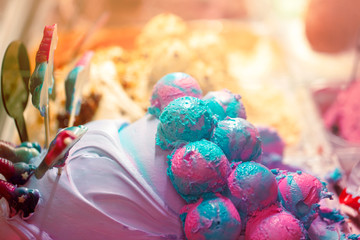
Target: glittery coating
[170,87]
[214,217]
[254,186]
[225,104]
[300,194]
[273,224]
[238,138]
[198,168]
[185,119]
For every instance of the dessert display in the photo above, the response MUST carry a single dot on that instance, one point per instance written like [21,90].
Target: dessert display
[165,184]
[186,133]
[167,43]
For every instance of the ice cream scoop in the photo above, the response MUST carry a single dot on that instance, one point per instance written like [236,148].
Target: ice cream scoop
[198,168]
[329,224]
[254,186]
[238,138]
[272,224]
[170,87]
[300,194]
[185,119]
[225,104]
[212,217]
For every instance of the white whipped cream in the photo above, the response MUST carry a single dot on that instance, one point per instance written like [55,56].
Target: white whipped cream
[113,186]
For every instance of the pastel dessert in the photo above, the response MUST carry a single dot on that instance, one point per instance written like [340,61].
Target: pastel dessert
[329,224]
[300,194]
[183,120]
[254,187]
[342,117]
[238,138]
[274,223]
[120,182]
[197,168]
[225,104]
[170,87]
[212,217]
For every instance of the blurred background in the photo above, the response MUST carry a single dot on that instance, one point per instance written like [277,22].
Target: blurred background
[304,43]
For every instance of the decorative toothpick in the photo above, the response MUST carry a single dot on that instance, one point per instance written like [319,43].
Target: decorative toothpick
[41,81]
[74,85]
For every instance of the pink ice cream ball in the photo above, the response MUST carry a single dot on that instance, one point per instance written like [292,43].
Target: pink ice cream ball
[273,223]
[254,186]
[197,168]
[201,171]
[215,217]
[173,86]
[305,188]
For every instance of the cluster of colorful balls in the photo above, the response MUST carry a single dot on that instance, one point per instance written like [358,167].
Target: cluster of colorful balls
[214,165]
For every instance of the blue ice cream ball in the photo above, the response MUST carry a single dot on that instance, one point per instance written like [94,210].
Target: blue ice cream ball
[224,104]
[184,120]
[238,138]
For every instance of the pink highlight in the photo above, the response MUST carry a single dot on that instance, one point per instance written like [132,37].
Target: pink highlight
[199,124]
[85,59]
[188,83]
[193,166]
[232,184]
[273,223]
[166,94]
